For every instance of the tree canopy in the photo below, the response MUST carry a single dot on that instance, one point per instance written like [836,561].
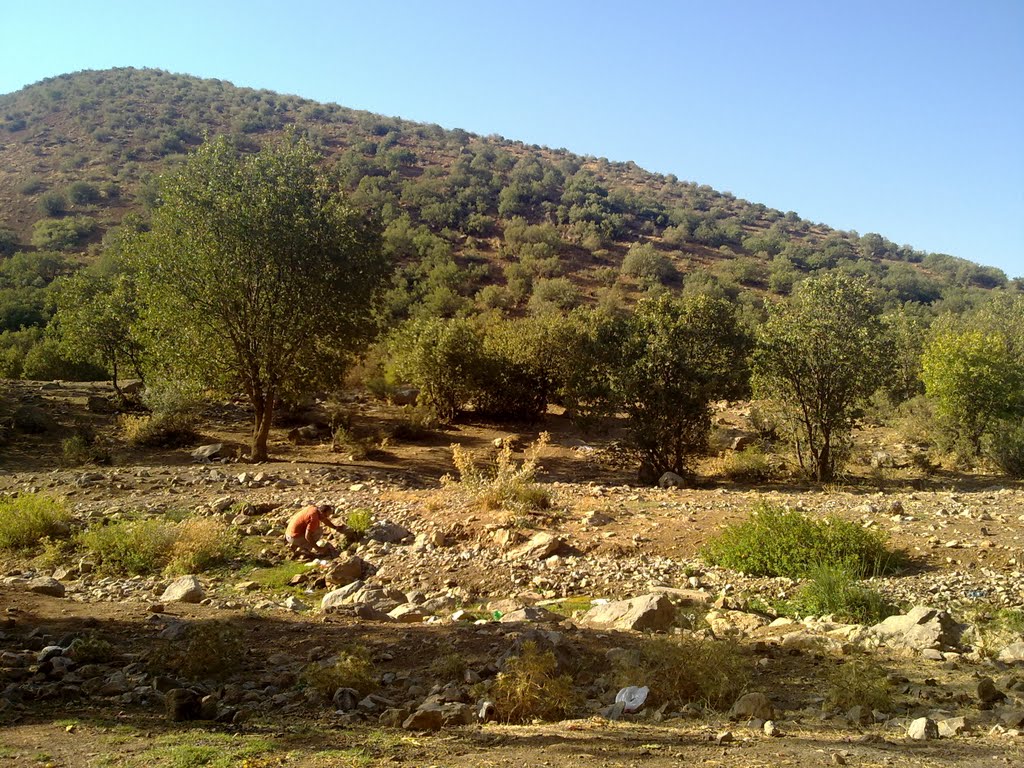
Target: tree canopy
[257,275]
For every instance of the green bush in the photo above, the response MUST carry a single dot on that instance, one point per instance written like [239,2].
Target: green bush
[27,519]
[687,669]
[209,650]
[1003,445]
[506,484]
[151,546]
[53,204]
[62,233]
[8,241]
[529,689]
[648,265]
[359,521]
[748,465]
[834,588]
[776,542]
[83,193]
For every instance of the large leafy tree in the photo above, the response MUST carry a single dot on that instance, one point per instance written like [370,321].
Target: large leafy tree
[677,356]
[973,368]
[820,355]
[257,276]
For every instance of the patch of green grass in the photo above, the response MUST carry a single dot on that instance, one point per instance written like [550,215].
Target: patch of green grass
[529,688]
[27,519]
[359,521]
[279,576]
[570,605]
[353,668]
[835,589]
[774,541]
[200,749]
[150,546]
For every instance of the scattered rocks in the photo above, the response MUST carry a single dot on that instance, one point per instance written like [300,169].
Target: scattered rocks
[725,623]
[987,692]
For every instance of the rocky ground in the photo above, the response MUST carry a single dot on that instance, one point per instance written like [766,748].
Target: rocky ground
[439,592]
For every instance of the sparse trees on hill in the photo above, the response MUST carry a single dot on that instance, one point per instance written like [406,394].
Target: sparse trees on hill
[820,355]
[256,275]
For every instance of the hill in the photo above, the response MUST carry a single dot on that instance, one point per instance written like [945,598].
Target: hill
[482,221]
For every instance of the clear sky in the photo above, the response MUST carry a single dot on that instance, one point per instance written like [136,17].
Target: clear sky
[902,117]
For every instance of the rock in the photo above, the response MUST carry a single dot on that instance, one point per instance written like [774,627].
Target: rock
[487,711]
[752,706]
[771,729]
[388,532]
[724,737]
[541,546]
[613,711]
[369,613]
[922,628]
[32,420]
[346,699]
[923,729]
[742,441]
[405,396]
[988,693]
[182,704]
[429,718]
[407,614]
[532,614]
[734,622]
[44,585]
[952,726]
[671,480]
[653,612]
[207,452]
[208,707]
[292,603]
[346,571]
[186,589]
[1012,718]
[393,717]
[99,404]
[1013,653]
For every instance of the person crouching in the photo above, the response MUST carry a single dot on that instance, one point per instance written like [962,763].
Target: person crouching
[304,528]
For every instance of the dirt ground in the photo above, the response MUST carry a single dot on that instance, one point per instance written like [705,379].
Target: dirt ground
[585,474]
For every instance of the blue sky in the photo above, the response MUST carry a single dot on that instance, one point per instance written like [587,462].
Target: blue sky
[902,117]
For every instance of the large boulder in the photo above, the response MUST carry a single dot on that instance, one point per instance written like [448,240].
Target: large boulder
[338,597]
[44,585]
[654,612]
[533,614]
[1013,653]
[346,571]
[541,546]
[186,589]
[923,628]
[752,706]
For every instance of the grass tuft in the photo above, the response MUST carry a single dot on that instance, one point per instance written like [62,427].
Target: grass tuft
[27,519]
[353,668]
[859,681]
[528,688]
[505,484]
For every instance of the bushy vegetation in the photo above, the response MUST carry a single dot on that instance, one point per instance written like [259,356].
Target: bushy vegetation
[859,682]
[687,670]
[27,519]
[351,668]
[152,546]
[505,484]
[774,541]
[529,688]
[836,588]
[210,650]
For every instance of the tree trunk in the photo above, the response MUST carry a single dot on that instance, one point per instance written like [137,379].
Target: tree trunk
[113,380]
[825,461]
[264,408]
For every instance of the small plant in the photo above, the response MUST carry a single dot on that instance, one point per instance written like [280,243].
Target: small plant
[1004,447]
[995,628]
[91,649]
[834,588]
[159,430]
[80,449]
[858,681]
[417,423]
[359,521]
[506,485]
[774,541]
[201,543]
[748,465]
[131,547]
[27,519]
[353,668]
[529,689]
[359,448]
[687,669]
[450,667]
[209,650]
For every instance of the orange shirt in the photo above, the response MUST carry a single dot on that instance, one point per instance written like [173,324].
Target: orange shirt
[304,524]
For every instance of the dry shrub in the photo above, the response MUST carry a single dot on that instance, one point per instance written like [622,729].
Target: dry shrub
[859,681]
[209,650]
[353,668]
[748,465]
[529,689]
[201,543]
[450,666]
[159,430]
[687,669]
[505,484]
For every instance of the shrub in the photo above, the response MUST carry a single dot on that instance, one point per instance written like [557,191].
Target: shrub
[8,241]
[27,519]
[359,521]
[687,669]
[834,588]
[209,650]
[53,204]
[1003,445]
[61,234]
[748,465]
[352,668]
[529,689]
[159,430]
[859,682]
[449,667]
[32,185]
[131,547]
[80,449]
[647,265]
[505,485]
[417,423]
[91,649]
[994,628]
[83,193]
[201,543]
[777,542]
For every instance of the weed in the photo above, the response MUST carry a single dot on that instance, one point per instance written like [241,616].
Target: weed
[280,576]
[748,465]
[994,628]
[352,668]
[417,423]
[201,542]
[528,688]
[91,649]
[570,606]
[687,669]
[359,521]
[358,447]
[25,520]
[505,485]
[834,588]
[209,650]
[79,449]
[450,666]
[777,542]
[159,430]
[858,681]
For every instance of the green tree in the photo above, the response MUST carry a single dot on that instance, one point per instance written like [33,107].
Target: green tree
[821,355]
[94,322]
[677,357]
[257,275]
[973,368]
